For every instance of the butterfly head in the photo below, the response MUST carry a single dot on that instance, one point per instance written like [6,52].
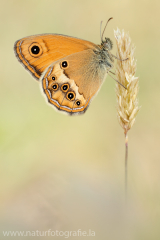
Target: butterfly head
[107,44]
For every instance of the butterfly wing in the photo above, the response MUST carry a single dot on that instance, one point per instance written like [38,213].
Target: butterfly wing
[70,83]
[38,52]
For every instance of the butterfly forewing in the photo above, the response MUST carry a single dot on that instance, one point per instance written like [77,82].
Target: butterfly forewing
[36,53]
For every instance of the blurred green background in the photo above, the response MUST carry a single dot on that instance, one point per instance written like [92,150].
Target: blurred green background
[67,173]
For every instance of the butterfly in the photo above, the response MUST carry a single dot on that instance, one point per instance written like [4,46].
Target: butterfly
[70,70]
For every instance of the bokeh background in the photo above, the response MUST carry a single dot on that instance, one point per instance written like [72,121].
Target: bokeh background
[67,173]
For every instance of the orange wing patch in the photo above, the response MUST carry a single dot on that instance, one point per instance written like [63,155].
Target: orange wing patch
[36,53]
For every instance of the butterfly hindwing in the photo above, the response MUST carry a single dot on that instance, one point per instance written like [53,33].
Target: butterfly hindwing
[69,84]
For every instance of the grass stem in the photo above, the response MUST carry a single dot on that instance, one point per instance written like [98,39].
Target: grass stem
[126,167]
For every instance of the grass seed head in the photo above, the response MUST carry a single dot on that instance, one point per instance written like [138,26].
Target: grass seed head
[127,103]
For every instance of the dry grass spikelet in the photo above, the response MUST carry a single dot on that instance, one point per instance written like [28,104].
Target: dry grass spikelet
[127,103]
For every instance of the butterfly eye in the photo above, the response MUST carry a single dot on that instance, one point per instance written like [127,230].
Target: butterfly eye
[55,86]
[108,43]
[65,87]
[35,50]
[64,64]
[78,103]
[71,96]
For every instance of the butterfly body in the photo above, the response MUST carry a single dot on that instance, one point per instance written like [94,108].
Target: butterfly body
[70,70]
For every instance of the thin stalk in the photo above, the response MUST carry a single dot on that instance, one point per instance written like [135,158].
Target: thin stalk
[126,167]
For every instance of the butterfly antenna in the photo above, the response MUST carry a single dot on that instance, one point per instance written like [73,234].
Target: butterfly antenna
[101,30]
[117,81]
[105,28]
